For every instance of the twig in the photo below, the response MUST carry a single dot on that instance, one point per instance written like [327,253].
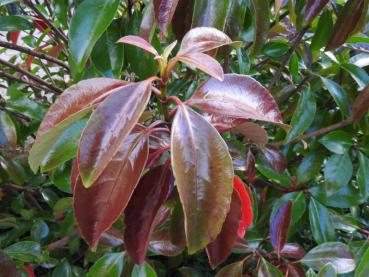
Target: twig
[14,186]
[61,243]
[288,55]
[20,80]
[32,53]
[29,75]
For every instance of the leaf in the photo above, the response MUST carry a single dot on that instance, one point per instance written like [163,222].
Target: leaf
[150,194]
[219,249]
[223,123]
[358,74]
[279,226]
[313,8]
[321,224]
[337,172]
[362,269]
[323,30]
[144,270]
[139,42]
[253,132]
[338,142]
[309,166]
[362,176]
[361,105]
[261,23]
[277,6]
[8,267]
[327,271]
[266,269]
[98,207]
[8,132]
[275,49]
[108,127]
[304,114]
[346,23]
[85,31]
[63,268]
[148,23]
[298,208]
[234,270]
[336,253]
[293,250]
[246,206]
[110,264]
[238,96]
[274,158]
[339,96]
[14,23]
[160,244]
[203,171]
[25,251]
[164,11]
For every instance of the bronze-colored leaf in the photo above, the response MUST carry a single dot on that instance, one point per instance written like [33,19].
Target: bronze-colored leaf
[223,123]
[164,11]
[219,250]
[238,96]
[250,171]
[361,105]
[139,42]
[279,226]
[160,244]
[142,209]
[274,158]
[182,19]
[203,171]
[7,266]
[313,8]
[98,207]
[148,22]
[234,270]
[293,250]
[108,127]
[253,132]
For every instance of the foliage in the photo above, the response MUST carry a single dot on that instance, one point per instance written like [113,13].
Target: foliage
[184,138]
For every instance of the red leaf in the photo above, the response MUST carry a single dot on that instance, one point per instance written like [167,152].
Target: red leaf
[246,208]
[108,127]
[142,209]
[274,158]
[139,42]
[203,171]
[98,207]
[30,271]
[164,11]
[313,8]
[295,270]
[293,250]
[8,267]
[13,36]
[223,123]
[155,156]
[361,105]
[76,98]
[219,250]
[250,171]
[279,226]
[238,96]
[160,244]
[253,132]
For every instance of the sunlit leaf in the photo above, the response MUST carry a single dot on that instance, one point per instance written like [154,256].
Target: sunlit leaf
[164,11]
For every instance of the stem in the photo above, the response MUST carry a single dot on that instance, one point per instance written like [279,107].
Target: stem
[32,53]
[29,75]
[164,101]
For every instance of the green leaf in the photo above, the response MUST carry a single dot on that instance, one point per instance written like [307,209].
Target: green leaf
[336,253]
[339,96]
[321,224]
[234,270]
[145,270]
[39,230]
[261,23]
[323,31]
[210,13]
[338,142]
[362,176]
[298,206]
[362,269]
[61,11]
[86,30]
[337,172]
[14,23]
[110,265]
[275,49]
[309,166]
[8,132]
[327,271]
[266,269]
[63,268]
[8,267]
[61,206]
[303,115]
[25,251]
[358,74]
[293,66]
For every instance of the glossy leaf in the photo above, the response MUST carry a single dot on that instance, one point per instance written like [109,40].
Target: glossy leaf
[203,171]
[337,172]
[279,226]
[327,271]
[293,250]
[274,158]
[234,270]
[238,96]
[309,166]
[253,132]
[108,127]
[246,206]
[266,269]
[150,194]
[14,23]
[8,132]
[81,42]
[304,114]
[261,23]
[219,249]
[110,264]
[8,267]
[323,31]
[164,11]
[346,23]
[321,224]
[358,74]
[160,244]
[298,208]
[25,251]
[313,8]
[361,105]
[337,142]
[139,42]
[63,268]
[336,253]
[362,269]
[362,176]
[339,96]
[98,207]
[144,270]
[223,123]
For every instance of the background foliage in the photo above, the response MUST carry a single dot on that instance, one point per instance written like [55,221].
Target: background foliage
[308,182]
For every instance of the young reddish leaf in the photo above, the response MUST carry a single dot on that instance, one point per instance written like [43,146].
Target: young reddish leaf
[139,42]
[155,156]
[74,175]
[7,266]
[346,23]
[98,207]
[246,208]
[238,96]
[231,270]
[250,171]
[361,105]
[164,11]
[77,98]
[203,39]
[313,8]
[279,226]
[293,250]
[295,270]
[142,209]
[274,158]
[219,250]
[108,127]
[203,171]
[223,123]
[147,22]
[253,132]
[160,244]
[13,36]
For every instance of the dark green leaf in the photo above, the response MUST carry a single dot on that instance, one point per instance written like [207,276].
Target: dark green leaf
[321,224]
[323,31]
[64,269]
[327,271]
[109,265]
[25,251]
[362,176]
[309,166]
[145,270]
[339,95]
[358,74]
[337,172]
[8,132]
[362,269]
[338,142]
[266,269]
[261,23]
[13,23]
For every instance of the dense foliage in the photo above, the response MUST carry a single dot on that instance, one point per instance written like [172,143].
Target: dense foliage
[184,138]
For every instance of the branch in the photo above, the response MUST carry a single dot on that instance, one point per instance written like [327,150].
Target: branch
[61,243]
[32,53]
[29,75]
[20,80]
